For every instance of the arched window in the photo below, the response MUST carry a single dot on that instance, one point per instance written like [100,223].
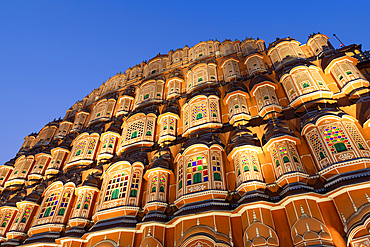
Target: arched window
[150,90]
[197,170]
[87,201]
[336,139]
[154,184]
[200,74]
[50,205]
[64,202]
[6,219]
[174,87]
[162,183]
[117,187]
[135,184]
[84,147]
[216,164]
[136,129]
[202,110]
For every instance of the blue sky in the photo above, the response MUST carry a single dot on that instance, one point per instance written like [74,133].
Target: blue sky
[53,53]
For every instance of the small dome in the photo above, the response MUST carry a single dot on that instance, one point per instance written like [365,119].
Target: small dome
[324,235]
[272,241]
[276,129]
[310,235]
[235,86]
[257,80]
[297,239]
[278,41]
[259,241]
[172,106]
[241,137]
[91,181]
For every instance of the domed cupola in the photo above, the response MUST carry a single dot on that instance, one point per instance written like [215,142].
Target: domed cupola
[158,175]
[168,122]
[281,143]
[236,100]
[264,90]
[243,149]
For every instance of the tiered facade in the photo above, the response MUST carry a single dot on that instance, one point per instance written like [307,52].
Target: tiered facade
[222,144]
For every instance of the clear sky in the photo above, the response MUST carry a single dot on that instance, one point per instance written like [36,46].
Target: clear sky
[54,53]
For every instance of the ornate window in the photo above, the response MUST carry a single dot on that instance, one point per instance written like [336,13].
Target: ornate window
[231,69]
[227,48]
[285,158]
[154,184]
[22,167]
[135,184]
[255,64]
[87,203]
[124,105]
[50,205]
[302,81]
[84,147]
[202,110]
[180,176]
[64,129]
[345,71]
[103,109]
[197,170]
[117,187]
[173,87]
[151,90]
[45,135]
[354,133]
[336,139]
[80,121]
[318,43]
[248,47]
[216,165]
[200,74]
[6,219]
[136,129]
[162,183]
[316,145]
[64,203]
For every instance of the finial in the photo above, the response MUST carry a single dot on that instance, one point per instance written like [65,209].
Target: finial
[197,221]
[343,218]
[257,232]
[318,107]
[149,232]
[303,214]
[367,197]
[354,206]
[273,121]
[307,227]
[254,217]
[215,227]
[231,238]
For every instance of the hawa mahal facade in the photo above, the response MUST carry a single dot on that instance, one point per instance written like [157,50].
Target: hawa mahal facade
[233,143]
